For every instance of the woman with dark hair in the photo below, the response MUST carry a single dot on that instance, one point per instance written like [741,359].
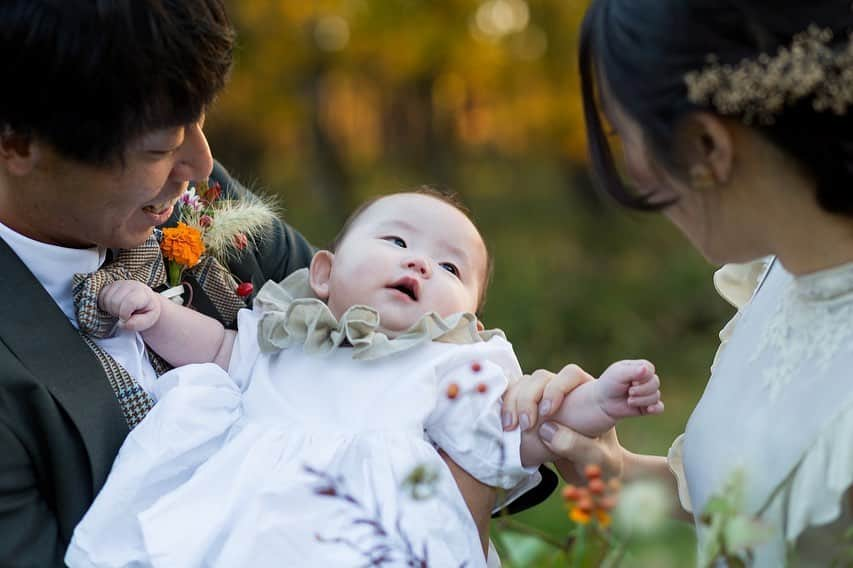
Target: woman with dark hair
[735,120]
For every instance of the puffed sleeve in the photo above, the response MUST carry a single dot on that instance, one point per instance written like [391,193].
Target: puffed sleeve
[246,348]
[466,421]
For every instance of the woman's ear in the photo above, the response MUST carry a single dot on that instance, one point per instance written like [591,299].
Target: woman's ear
[18,153]
[320,273]
[709,147]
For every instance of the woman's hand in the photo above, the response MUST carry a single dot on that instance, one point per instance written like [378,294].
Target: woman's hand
[576,451]
[531,400]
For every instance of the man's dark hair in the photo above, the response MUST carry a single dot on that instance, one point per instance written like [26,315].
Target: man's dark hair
[89,76]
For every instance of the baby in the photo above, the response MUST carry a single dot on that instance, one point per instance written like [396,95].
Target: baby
[320,445]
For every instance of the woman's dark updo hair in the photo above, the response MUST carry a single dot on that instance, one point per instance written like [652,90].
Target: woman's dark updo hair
[644,49]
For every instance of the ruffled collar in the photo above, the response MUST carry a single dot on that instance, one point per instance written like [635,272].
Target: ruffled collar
[825,285]
[293,316]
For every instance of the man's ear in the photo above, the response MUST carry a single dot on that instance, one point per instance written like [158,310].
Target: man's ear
[708,145]
[320,273]
[18,153]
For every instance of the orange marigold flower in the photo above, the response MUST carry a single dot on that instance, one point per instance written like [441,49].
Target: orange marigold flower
[578,516]
[182,244]
[603,518]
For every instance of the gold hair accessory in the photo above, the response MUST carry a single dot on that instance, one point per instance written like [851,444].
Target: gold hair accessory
[760,88]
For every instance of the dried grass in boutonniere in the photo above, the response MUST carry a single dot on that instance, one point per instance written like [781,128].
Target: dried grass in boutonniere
[212,225]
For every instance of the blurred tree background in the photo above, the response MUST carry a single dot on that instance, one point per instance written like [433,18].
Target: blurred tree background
[333,101]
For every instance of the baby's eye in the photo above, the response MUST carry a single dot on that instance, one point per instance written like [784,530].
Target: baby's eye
[451,268]
[395,240]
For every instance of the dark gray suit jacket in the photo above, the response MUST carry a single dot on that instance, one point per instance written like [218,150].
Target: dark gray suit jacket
[60,423]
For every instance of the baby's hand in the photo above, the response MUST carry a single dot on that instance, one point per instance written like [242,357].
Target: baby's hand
[135,304]
[629,388]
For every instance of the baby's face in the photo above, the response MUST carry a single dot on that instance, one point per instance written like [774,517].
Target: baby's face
[406,255]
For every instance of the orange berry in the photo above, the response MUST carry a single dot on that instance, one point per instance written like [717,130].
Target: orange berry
[585,505]
[482,388]
[592,471]
[614,484]
[571,493]
[583,493]
[596,486]
[607,503]
[476,367]
[452,391]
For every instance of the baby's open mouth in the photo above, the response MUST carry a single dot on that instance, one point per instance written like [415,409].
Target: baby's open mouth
[408,286]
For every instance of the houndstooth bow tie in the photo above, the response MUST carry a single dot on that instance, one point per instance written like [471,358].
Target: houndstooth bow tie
[213,289]
[143,263]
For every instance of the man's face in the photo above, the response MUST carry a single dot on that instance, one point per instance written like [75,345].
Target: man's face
[67,203]
[406,255]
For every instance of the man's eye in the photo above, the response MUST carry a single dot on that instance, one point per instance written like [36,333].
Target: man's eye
[451,268]
[395,240]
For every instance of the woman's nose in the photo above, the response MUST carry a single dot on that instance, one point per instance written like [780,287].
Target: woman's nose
[419,265]
[194,160]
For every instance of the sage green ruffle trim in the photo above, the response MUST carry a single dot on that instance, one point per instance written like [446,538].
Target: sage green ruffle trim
[293,316]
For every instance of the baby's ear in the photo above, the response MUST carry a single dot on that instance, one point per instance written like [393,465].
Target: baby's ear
[320,273]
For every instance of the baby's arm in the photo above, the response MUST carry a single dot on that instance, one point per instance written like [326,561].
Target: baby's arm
[626,388]
[179,335]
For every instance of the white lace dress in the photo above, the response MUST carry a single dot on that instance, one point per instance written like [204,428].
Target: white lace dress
[775,422]
[318,454]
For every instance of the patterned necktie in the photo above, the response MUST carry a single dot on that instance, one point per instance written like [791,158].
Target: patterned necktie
[143,263]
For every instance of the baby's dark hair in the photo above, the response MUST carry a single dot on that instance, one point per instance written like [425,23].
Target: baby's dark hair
[447,196]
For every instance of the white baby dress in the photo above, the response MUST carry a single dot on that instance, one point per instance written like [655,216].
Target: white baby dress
[321,452]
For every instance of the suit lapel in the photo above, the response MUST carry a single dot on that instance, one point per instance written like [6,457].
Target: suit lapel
[36,330]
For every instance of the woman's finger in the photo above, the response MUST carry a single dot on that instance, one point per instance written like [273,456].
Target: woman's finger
[577,450]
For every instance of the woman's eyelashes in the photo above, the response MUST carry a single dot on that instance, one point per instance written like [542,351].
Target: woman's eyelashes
[395,240]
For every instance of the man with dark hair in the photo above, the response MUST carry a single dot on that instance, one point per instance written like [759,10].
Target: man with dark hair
[101,116]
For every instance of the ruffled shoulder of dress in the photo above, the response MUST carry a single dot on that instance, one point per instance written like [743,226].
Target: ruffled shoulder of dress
[292,316]
[736,283]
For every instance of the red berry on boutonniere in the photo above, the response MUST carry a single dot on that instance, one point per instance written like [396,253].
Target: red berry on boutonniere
[241,241]
[244,289]
[205,221]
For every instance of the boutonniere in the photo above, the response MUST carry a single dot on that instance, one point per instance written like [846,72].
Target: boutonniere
[210,225]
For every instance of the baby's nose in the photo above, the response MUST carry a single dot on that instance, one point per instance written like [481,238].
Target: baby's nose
[420,266]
